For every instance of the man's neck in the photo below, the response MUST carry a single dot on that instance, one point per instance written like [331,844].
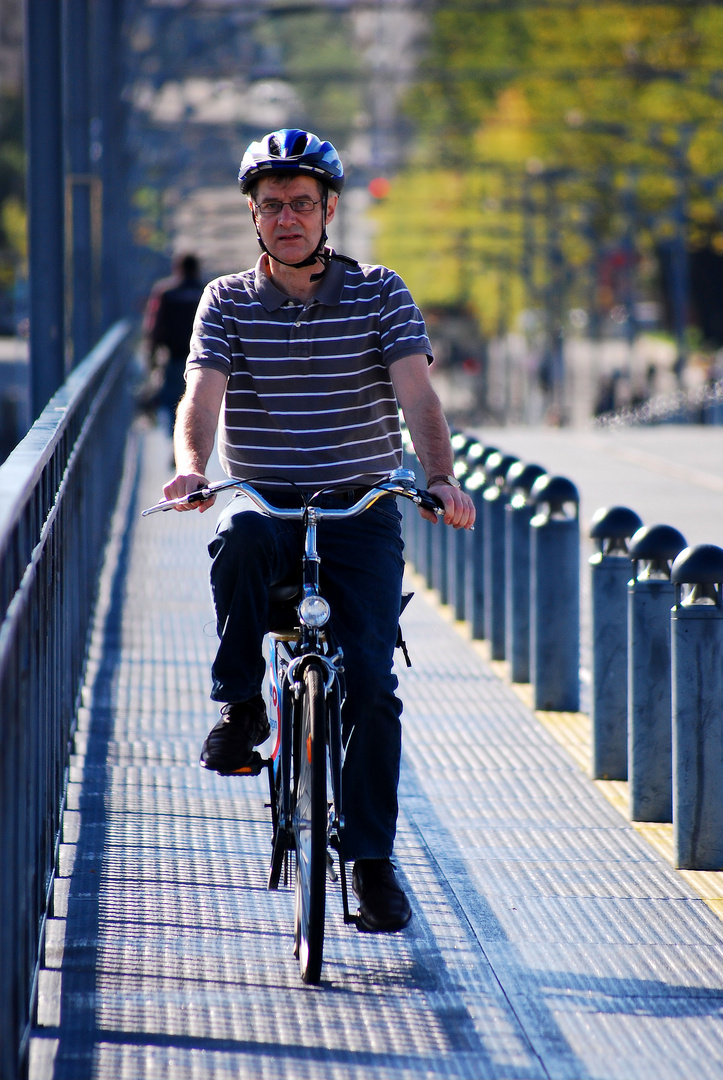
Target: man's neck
[294,282]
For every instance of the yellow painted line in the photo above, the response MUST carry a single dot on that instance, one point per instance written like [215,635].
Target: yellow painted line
[659,835]
[716,906]
[616,793]
[573,731]
[707,883]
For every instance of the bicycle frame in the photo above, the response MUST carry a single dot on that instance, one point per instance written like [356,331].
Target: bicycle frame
[289,651]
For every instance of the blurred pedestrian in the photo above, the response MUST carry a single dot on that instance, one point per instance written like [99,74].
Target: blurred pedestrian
[167,328]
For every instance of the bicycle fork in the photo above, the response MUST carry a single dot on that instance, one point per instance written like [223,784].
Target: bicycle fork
[286,690]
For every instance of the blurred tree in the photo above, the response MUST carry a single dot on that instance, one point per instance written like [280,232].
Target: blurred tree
[13,236]
[312,49]
[571,131]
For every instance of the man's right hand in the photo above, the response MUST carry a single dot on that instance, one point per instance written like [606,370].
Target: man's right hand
[184,484]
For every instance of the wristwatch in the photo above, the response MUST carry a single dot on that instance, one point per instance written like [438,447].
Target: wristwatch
[443,478]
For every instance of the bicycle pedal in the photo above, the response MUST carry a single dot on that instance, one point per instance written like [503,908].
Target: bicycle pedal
[254,767]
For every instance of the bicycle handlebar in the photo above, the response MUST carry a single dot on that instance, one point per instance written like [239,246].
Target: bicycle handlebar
[397,484]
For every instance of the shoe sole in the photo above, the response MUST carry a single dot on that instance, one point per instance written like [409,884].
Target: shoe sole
[367,928]
[252,768]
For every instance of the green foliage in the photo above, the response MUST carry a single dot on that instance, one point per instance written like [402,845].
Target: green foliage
[315,47]
[583,121]
[150,224]
[13,219]
[13,241]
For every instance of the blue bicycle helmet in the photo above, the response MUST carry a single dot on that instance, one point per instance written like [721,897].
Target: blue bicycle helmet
[291,150]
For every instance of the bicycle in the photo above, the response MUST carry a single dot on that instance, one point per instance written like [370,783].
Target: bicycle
[305,698]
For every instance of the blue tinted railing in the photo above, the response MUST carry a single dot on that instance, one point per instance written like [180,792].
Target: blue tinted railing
[57,492]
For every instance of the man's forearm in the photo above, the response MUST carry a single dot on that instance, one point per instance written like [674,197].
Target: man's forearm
[193,437]
[430,436]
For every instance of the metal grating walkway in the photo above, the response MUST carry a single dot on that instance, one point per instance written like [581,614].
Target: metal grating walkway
[548,939]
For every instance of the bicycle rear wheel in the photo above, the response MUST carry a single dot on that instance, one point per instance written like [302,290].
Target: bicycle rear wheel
[310,820]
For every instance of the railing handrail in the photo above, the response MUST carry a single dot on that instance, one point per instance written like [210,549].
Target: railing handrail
[664,408]
[20,471]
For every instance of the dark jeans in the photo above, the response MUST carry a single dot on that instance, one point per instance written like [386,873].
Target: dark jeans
[361,577]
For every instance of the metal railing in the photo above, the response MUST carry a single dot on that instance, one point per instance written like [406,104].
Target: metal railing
[701,404]
[57,492]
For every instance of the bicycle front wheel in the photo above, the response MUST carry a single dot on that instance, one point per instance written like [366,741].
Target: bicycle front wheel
[310,821]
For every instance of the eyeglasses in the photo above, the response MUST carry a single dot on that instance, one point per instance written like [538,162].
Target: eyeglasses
[273,207]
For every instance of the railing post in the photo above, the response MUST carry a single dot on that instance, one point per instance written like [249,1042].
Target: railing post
[555,595]
[45,196]
[610,573]
[651,595]
[697,693]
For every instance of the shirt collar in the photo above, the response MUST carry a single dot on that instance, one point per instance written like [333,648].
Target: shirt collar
[328,293]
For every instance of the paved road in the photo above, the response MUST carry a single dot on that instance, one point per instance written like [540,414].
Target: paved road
[548,940]
[670,474]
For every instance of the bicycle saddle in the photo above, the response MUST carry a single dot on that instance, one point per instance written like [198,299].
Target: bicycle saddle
[284,591]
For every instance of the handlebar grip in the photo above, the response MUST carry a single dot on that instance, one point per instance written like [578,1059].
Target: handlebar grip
[170,504]
[428,501]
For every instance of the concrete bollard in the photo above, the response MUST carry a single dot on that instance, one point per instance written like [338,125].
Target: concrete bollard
[610,573]
[452,586]
[495,500]
[697,707]
[457,567]
[477,455]
[458,572]
[555,595]
[519,512]
[651,595]
[461,446]
[474,600]
[440,578]
[475,483]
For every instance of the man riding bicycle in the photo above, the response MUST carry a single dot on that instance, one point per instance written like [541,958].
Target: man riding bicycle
[307,358]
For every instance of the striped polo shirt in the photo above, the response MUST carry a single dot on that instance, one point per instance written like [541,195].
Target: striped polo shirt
[309,396]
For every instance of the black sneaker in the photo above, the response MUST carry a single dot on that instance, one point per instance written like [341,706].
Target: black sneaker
[229,746]
[383,906]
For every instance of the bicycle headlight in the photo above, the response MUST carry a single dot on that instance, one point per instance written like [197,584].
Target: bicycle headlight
[314,611]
